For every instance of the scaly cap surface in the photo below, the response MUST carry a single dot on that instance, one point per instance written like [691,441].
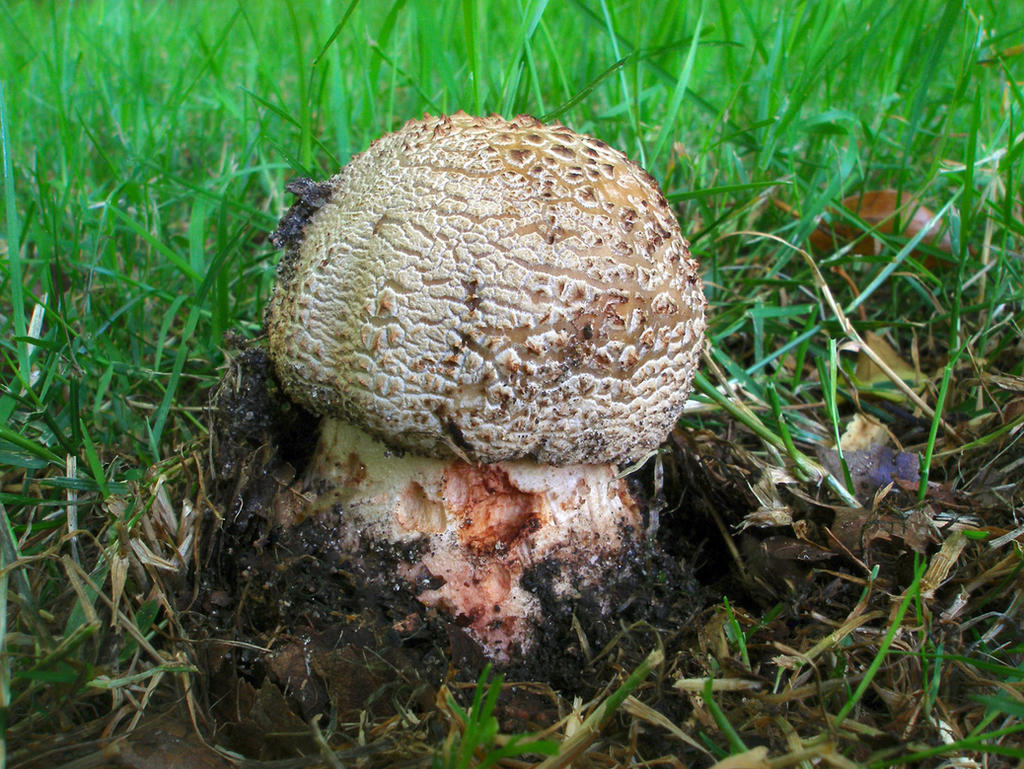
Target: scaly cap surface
[494,289]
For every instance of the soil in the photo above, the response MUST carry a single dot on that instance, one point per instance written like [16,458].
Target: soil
[296,626]
[739,571]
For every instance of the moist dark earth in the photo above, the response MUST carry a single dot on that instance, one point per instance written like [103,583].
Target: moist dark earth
[295,626]
[295,630]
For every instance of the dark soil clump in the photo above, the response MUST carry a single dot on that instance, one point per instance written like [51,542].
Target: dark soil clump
[297,626]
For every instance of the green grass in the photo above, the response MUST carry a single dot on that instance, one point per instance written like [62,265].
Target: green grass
[145,147]
[480,729]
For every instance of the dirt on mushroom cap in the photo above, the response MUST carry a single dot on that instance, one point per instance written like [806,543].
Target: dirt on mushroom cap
[493,289]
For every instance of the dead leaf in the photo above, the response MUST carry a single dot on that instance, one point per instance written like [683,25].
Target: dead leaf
[1006,382]
[772,511]
[118,578]
[166,743]
[351,682]
[920,531]
[789,549]
[755,758]
[871,379]
[879,210]
[767,517]
[862,433]
[942,563]
[872,468]
[856,529]
[271,729]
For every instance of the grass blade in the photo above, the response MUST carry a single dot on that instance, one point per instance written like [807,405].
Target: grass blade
[15,269]
[669,127]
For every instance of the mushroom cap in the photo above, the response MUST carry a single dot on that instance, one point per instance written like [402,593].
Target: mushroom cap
[491,289]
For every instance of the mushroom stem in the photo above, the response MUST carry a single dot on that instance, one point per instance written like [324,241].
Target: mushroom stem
[478,527]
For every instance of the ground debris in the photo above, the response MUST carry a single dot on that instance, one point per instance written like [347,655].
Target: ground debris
[837,584]
[298,628]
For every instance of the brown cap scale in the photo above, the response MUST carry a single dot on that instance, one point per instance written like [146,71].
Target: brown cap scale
[491,289]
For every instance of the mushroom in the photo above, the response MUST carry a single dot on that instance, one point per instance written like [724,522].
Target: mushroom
[491,317]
